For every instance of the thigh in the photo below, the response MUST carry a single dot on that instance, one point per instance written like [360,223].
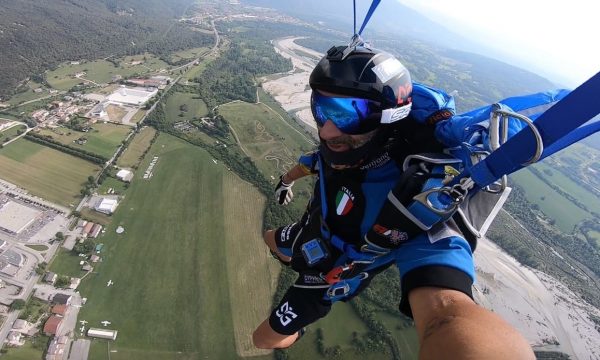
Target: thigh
[299,307]
[285,236]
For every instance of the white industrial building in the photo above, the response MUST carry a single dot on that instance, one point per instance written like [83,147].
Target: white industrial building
[107,206]
[137,96]
[125,175]
[102,333]
[15,217]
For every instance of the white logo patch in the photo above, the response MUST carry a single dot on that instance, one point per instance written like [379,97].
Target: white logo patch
[389,116]
[285,314]
[388,69]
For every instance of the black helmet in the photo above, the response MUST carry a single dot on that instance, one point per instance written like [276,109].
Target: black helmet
[361,72]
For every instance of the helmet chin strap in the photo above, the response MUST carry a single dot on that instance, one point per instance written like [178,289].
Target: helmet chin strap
[354,157]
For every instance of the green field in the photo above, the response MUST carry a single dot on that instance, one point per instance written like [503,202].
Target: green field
[566,214]
[118,187]
[172,267]
[189,54]
[103,139]
[596,236]
[12,132]
[258,129]
[141,141]
[45,172]
[102,71]
[196,108]
[66,263]
[29,351]
[587,198]
[99,71]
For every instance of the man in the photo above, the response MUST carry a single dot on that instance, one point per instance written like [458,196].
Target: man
[361,102]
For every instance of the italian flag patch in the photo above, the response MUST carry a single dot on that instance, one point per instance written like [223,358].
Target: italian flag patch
[343,202]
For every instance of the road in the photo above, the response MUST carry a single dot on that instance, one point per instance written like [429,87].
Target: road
[18,136]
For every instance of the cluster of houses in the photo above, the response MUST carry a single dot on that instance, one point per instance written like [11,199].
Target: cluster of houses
[60,111]
[53,327]
[89,229]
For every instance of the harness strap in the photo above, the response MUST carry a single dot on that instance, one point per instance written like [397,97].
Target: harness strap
[557,128]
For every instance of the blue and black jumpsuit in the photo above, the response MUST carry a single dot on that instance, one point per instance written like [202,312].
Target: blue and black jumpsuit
[346,203]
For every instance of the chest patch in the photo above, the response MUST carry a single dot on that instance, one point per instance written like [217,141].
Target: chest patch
[344,201]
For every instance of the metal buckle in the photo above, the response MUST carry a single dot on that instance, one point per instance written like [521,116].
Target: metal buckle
[457,192]
[334,291]
[499,117]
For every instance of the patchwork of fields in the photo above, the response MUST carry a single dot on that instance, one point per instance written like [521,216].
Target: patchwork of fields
[45,172]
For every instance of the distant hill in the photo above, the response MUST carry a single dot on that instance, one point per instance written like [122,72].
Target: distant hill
[36,35]
[434,54]
[391,17]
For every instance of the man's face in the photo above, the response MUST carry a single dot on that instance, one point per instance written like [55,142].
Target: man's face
[335,139]
[338,141]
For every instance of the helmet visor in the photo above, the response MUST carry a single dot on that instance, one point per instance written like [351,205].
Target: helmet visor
[350,115]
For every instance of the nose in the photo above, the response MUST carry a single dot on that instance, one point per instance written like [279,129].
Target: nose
[330,131]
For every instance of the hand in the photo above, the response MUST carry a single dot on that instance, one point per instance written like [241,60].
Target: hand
[283,192]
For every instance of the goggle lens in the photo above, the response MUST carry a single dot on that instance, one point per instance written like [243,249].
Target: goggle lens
[350,115]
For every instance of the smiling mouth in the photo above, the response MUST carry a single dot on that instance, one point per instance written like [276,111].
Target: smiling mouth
[338,146]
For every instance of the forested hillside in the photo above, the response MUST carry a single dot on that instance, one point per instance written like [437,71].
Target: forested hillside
[37,35]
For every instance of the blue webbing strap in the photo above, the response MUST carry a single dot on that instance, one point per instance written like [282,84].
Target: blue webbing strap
[374,5]
[556,124]
[573,137]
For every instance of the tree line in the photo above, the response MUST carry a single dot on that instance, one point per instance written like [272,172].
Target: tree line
[48,141]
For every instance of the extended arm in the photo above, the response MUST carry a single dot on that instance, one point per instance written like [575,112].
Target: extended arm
[451,326]
[283,190]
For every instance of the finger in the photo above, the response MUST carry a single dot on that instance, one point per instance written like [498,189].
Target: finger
[282,196]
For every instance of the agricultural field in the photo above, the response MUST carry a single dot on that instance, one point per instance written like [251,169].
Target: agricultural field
[102,71]
[180,268]
[11,133]
[259,130]
[185,107]
[564,212]
[138,116]
[45,172]
[98,71]
[136,148]
[29,94]
[103,139]
[189,54]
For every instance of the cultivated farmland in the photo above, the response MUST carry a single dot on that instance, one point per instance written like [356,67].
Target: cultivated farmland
[45,172]
[103,139]
[173,267]
[141,141]
[185,107]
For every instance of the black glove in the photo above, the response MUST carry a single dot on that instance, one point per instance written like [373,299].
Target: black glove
[283,192]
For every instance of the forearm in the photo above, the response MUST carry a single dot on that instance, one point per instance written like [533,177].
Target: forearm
[294,174]
[461,329]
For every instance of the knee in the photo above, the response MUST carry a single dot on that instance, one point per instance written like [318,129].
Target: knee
[260,342]
[268,235]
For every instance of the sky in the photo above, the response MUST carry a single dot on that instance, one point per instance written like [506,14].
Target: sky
[554,37]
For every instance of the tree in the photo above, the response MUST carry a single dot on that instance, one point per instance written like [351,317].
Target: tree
[60,236]
[17,305]
[62,282]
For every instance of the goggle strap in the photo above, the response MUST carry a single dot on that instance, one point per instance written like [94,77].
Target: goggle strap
[389,116]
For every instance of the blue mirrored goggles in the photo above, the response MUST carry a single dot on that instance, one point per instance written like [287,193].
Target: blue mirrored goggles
[350,115]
